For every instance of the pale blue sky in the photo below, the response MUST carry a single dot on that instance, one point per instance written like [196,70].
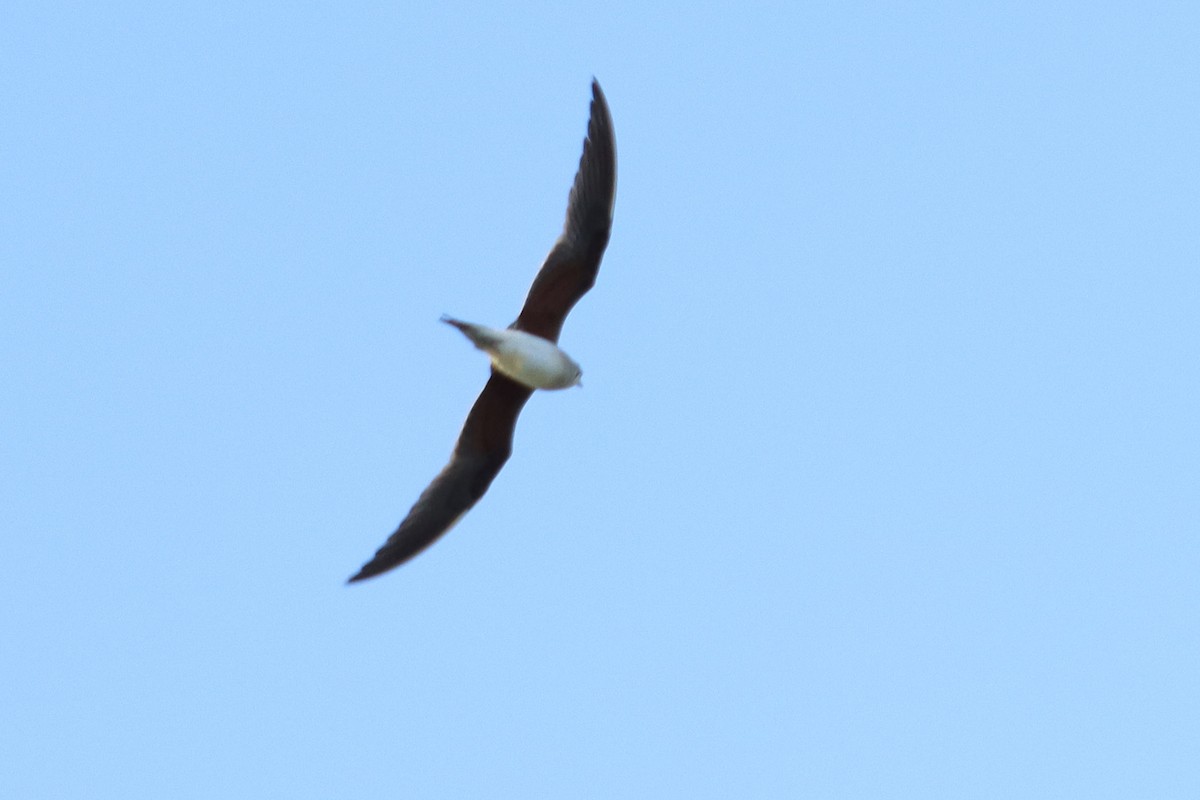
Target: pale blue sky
[883,482]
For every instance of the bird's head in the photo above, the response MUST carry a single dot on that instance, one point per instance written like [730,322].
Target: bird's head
[578,378]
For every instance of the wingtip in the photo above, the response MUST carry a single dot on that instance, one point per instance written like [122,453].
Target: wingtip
[600,118]
[368,571]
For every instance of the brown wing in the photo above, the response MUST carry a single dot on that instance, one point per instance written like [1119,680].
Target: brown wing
[570,269]
[483,446]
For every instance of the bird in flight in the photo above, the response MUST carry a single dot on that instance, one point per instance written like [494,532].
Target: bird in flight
[525,355]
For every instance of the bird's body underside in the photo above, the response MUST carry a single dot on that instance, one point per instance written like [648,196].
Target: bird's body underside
[529,360]
[524,356]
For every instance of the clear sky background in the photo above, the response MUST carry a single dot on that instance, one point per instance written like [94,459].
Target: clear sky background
[885,481]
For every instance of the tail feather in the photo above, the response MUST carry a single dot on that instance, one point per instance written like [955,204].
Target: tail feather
[482,337]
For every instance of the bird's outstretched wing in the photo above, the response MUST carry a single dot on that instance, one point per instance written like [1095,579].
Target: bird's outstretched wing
[570,269]
[483,446]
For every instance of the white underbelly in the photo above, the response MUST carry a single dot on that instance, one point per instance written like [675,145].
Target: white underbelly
[533,361]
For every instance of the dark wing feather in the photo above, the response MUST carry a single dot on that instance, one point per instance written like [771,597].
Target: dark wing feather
[483,446]
[570,269]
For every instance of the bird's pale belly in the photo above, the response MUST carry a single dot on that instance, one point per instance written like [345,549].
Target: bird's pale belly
[534,362]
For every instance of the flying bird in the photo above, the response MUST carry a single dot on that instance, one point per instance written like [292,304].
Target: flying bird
[525,356]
